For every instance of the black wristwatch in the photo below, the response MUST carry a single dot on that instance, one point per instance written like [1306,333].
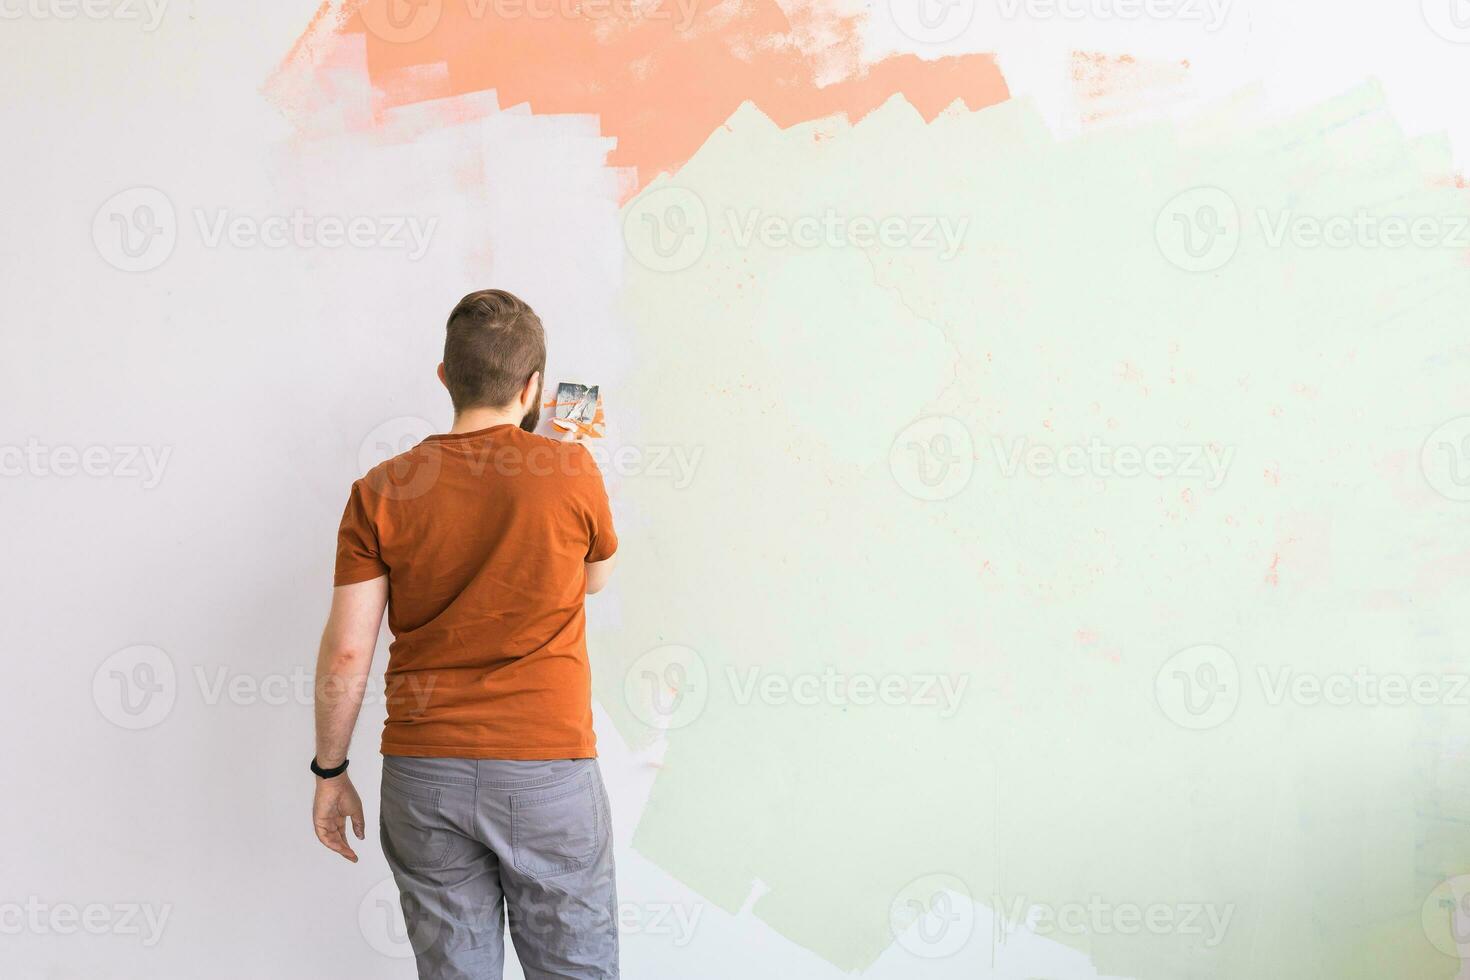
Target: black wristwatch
[328,773]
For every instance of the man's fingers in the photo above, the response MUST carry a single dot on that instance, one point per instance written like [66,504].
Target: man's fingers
[581,431]
[357,825]
[333,839]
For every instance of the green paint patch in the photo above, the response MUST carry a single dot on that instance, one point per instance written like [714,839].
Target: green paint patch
[1116,312]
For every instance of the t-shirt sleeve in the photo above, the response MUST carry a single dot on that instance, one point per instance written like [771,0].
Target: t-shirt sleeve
[357,543]
[602,540]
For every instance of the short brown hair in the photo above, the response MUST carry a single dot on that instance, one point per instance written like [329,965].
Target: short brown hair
[493,343]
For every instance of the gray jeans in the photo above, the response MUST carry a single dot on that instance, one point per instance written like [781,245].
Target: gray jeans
[467,838]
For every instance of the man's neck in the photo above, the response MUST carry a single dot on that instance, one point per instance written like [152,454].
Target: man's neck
[475,419]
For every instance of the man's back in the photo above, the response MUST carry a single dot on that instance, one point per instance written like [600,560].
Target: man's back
[481,544]
[484,538]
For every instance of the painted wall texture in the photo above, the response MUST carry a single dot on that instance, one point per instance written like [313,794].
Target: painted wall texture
[1038,436]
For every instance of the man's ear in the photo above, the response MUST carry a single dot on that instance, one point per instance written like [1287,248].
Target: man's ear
[529,392]
[443,378]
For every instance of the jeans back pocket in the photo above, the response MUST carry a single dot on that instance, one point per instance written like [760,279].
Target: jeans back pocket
[558,829]
[415,831]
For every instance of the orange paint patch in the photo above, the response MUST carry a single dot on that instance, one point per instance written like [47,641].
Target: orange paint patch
[660,78]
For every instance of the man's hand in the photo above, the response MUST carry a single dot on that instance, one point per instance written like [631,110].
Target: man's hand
[578,432]
[337,800]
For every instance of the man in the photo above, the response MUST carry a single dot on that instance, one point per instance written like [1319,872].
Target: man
[481,542]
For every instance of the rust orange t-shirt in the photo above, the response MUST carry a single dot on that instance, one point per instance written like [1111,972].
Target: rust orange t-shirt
[483,536]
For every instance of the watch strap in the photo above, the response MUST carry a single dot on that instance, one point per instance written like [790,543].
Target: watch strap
[328,773]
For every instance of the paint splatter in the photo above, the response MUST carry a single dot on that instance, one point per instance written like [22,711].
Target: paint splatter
[659,85]
[1109,88]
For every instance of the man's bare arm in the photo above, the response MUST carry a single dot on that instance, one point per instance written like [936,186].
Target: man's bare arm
[598,572]
[342,665]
